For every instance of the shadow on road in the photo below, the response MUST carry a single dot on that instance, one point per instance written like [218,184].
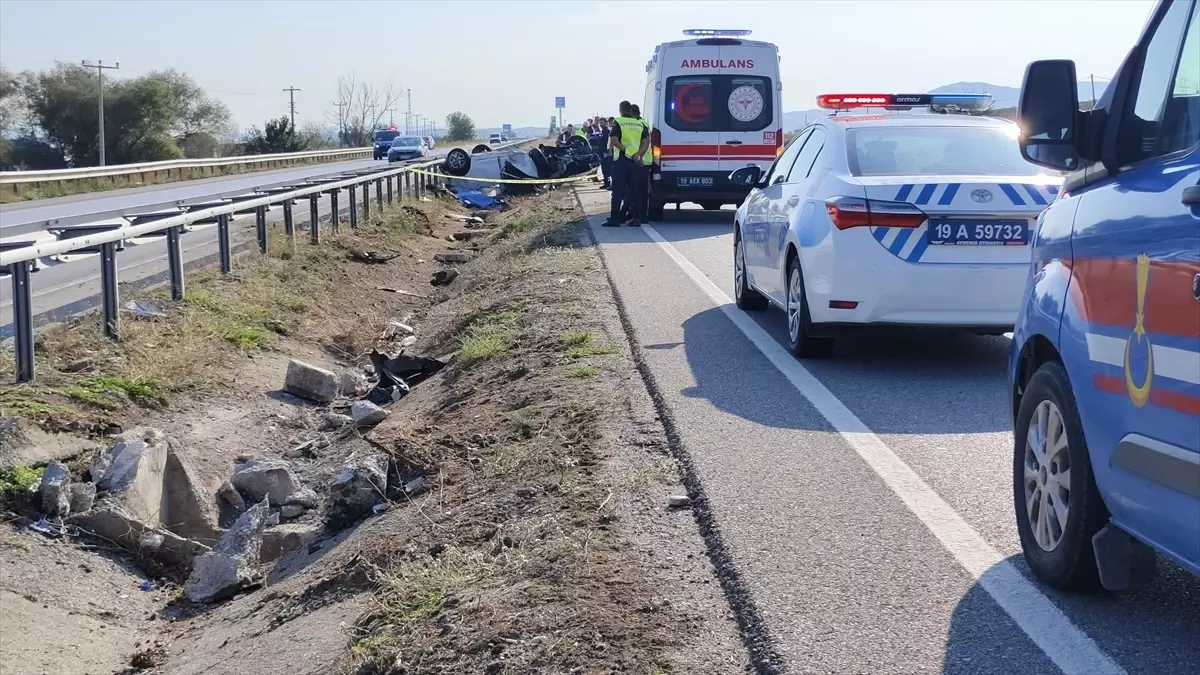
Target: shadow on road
[1153,631]
[961,378]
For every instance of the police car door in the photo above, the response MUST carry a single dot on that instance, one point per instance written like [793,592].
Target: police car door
[762,210]
[1137,271]
[745,107]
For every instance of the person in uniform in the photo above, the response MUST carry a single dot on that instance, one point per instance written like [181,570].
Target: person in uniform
[628,141]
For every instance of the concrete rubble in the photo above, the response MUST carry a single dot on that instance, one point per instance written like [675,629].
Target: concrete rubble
[283,539]
[366,414]
[110,520]
[132,472]
[55,490]
[352,382]
[233,562]
[83,497]
[265,478]
[310,382]
[361,485]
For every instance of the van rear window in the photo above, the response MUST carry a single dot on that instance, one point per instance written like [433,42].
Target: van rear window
[718,103]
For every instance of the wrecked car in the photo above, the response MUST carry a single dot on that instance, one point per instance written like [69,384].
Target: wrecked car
[542,162]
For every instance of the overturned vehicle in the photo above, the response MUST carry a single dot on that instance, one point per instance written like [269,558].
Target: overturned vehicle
[476,168]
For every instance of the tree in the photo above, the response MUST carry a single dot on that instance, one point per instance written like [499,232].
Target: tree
[459,127]
[364,105]
[317,136]
[279,136]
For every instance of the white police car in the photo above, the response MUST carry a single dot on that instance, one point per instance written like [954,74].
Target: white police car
[895,218]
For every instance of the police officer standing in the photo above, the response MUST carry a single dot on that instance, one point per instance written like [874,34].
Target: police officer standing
[642,183]
[628,140]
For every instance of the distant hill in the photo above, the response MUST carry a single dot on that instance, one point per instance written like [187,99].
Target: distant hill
[1002,98]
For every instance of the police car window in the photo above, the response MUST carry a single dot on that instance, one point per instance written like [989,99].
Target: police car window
[785,161]
[1162,115]
[718,103]
[386,135]
[936,151]
[804,161]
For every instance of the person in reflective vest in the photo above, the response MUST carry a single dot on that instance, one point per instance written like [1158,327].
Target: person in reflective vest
[628,141]
[642,181]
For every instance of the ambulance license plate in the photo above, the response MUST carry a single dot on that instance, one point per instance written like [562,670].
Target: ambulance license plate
[978,232]
[694,181]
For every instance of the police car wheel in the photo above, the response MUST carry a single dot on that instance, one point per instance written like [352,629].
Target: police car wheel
[801,344]
[747,298]
[1057,503]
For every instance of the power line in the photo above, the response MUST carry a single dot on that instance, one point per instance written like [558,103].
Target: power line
[100,68]
[291,91]
[408,113]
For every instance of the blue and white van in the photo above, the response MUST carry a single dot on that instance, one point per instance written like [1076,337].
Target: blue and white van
[1105,367]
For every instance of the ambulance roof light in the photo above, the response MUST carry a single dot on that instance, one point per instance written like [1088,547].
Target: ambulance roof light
[716,32]
[942,103]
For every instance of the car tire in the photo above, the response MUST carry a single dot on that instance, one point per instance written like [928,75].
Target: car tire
[457,162]
[656,211]
[541,163]
[746,298]
[800,342]
[1070,563]
[578,143]
[710,206]
[481,148]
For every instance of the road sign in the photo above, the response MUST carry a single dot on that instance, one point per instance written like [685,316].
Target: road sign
[507,129]
[560,102]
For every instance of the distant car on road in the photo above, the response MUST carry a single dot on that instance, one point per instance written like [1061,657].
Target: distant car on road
[406,147]
[429,143]
[900,218]
[1104,371]
[383,140]
[496,139]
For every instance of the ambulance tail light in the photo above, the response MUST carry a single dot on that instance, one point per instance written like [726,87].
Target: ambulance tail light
[656,145]
[778,142]
[848,212]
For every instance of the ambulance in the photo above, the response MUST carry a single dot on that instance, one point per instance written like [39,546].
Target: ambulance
[713,103]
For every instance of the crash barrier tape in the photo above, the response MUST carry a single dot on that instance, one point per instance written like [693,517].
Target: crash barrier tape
[512,181]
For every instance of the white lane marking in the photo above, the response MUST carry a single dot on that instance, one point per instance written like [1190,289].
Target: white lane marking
[1169,362]
[1066,645]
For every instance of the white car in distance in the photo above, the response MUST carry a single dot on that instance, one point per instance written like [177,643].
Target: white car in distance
[900,218]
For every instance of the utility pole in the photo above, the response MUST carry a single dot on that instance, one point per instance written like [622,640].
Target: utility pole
[341,123]
[371,107]
[292,104]
[1093,79]
[408,113]
[100,68]
[391,117]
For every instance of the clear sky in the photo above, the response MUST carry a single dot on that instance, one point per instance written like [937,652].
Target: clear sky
[504,61]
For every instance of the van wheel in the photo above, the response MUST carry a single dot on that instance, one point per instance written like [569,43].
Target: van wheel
[656,210]
[747,298]
[710,206]
[1057,503]
[799,324]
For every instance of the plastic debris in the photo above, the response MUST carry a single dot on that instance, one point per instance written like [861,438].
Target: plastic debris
[147,310]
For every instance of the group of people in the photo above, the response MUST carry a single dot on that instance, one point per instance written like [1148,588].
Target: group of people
[623,143]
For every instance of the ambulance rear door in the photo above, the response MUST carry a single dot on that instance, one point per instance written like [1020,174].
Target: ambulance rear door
[689,132]
[747,105]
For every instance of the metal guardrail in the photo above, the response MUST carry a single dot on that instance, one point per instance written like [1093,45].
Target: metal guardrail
[18,257]
[49,175]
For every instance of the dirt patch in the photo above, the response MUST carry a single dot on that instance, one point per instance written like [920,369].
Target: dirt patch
[538,538]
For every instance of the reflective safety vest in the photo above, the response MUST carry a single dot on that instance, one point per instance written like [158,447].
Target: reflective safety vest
[631,136]
[647,158]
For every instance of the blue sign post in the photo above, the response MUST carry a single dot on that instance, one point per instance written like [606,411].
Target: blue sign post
[560,102]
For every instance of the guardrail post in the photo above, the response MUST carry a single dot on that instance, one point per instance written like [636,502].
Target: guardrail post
[366,197]
[389,189]
[108,290]
[23,318]
[175,262]
[225,253]
[260,228]
[407,184]
[314,219]
[333,209]
[379,193]
[289,226]
[353,207]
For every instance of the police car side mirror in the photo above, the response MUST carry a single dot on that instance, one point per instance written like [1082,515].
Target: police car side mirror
[1049,116]
[747,176]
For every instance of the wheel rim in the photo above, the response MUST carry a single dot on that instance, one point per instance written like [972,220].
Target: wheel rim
[794,299]
[1047,476]
[455,160]
[739,271]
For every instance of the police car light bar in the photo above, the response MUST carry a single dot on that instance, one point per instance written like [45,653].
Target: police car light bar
[715,32]
[939,102]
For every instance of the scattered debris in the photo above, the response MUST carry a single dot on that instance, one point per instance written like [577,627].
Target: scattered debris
[83,497]
[415,212]
[399,291]
[287,537]
[110,520]
[55,490]
[402,327]
[187,507]
[331,421]
[366,413]
[43,526]
[361,485]
[468,235]
[304,497]
[469,221]
[131,472]
[230,504]
[292,511]
[454,257]
[405,368]
[233,563]
[478,199]
[369,257]
[679,501]
[310,382]
[416,485]
[146,310]
[443,277]
[266,479]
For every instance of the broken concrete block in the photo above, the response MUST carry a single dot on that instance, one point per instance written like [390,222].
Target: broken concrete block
[279,541]
[263,478]
[292,511]
[110,520]
[304,497]
[310,382]
[186,508]
[331,421]
[361,485]
[366,414]
[83,496]
[352,382]
[230,504]
[453,257]
[233,562]
[443,277]
[55,490]
[133,469]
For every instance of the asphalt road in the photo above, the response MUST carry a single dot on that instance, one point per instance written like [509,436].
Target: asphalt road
[865,500]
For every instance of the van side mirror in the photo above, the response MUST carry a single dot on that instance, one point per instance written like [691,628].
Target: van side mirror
[747,176]
[1049,115]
